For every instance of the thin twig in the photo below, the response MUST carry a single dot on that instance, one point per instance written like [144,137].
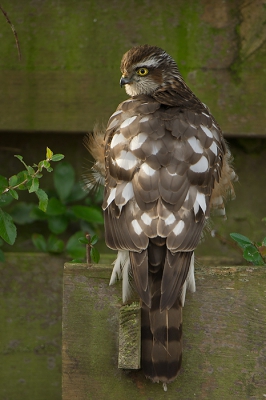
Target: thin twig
[14,32]
[88,249]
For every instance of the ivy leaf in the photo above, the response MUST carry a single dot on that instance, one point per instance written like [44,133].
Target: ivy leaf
[95,255]
[43,199]
[8,230]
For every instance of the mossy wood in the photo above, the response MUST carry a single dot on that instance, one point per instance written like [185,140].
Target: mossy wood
[129,336]
[69,75]
[224,338]
[30,326]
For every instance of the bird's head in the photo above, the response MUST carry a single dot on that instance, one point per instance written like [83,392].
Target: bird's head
[145,69]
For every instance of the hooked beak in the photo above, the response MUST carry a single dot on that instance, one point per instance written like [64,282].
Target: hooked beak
[124,80]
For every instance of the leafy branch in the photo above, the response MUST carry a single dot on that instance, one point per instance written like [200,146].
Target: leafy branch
[27,179]
[92,254]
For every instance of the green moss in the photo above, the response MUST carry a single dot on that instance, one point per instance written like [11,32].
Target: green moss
[30,321]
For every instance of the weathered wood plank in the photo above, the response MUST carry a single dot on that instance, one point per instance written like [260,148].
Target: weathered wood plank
[71,51]
[224,331]
[129,335]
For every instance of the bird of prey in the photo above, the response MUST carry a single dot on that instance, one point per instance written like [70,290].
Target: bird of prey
[164,165]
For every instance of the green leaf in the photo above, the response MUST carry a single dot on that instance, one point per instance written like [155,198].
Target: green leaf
[39,242]
[5,199]
[43,199]
[37,214]
[94,240]
[34,185]
[64,177]
[83,240]
[13,180]
[95,255]
[40,165]
[30,170]
[55,245]
[3,183]
[13,193]
[55,207]
[2,256]
[243,241]
[74,248]
[252,254]
[22,213]
[21,159]
[77,193]
[8,230]
[46,164]
[57,157]
[22,176]
[49,153]
[58,223]
[264,242]
[89,214]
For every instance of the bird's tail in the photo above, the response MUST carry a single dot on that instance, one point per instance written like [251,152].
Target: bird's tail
[161,331]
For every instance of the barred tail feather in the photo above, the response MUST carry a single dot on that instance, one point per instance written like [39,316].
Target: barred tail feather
[161,330]
[161,342]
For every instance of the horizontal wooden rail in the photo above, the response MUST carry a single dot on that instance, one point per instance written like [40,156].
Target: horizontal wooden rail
[224,338]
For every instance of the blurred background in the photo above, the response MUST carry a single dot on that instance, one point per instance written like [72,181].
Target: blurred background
[66,82]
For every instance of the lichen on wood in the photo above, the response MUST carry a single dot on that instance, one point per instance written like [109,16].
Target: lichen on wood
[129,336]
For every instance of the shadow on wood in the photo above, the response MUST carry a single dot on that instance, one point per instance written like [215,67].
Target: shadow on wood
[224,338]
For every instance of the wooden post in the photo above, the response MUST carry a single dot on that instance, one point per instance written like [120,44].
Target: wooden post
[224,338]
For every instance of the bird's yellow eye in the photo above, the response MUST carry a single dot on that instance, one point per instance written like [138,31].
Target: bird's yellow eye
[142,71]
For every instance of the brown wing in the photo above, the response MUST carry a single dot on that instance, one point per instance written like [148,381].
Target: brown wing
[162,164]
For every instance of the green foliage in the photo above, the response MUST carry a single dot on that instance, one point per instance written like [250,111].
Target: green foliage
[254,252]
[62,214]
[28,179]
[92,253]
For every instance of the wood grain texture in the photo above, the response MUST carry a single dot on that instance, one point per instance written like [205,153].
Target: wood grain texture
[69,75]
[224,338]
[129,336]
